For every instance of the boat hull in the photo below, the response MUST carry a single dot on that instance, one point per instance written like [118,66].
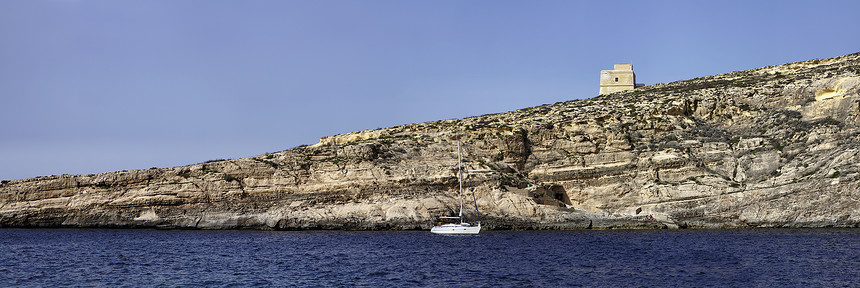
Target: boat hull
[456,229]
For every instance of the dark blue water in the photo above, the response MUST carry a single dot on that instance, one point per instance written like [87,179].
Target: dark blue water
[625,258]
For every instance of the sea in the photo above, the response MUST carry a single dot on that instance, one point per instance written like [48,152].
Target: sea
[580,258]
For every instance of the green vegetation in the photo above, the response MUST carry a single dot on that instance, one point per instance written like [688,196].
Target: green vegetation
[268,162]
[499,157]
[671,137]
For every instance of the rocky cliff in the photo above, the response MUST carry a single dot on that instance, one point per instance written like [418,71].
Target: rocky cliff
[774,147]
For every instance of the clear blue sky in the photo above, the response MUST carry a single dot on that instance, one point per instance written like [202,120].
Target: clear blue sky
[97,86]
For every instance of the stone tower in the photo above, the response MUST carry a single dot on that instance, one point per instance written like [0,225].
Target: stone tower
[620,79]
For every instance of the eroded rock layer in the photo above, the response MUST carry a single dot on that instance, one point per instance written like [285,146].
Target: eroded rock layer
[775,147]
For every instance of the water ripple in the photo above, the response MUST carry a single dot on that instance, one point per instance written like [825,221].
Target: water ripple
[634,258]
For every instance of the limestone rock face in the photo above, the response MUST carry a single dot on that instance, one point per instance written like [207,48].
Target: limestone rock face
[775,147]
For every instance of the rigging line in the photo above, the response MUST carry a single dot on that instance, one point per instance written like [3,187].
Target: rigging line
[460,178]
[474,199]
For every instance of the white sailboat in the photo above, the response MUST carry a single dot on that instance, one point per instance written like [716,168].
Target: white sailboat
[462,228]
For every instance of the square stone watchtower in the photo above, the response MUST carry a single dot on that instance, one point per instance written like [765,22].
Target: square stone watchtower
[620,79]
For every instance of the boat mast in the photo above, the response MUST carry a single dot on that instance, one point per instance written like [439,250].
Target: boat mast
[460,178]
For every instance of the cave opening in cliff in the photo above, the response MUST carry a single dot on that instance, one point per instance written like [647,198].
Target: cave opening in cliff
[559,193]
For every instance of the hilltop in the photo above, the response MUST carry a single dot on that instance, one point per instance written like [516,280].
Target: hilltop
[770,147]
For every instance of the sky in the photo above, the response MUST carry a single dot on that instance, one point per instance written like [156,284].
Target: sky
[98,86]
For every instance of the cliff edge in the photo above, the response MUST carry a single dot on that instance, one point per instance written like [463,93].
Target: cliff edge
[770,147]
